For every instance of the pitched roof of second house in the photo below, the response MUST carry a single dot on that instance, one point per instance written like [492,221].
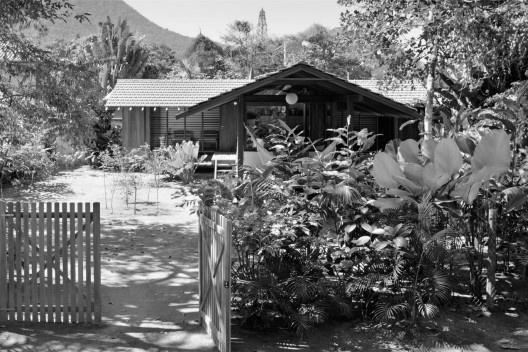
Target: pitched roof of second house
[406,92]
[189,92]
[169,92]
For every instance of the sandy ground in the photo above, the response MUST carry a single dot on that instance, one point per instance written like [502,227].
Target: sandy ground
[149,271]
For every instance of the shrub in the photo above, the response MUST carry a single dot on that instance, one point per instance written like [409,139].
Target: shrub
[25,163]
[181,160]
[70,160]
[287,221]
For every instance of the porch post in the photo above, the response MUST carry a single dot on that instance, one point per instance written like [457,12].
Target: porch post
[241,133]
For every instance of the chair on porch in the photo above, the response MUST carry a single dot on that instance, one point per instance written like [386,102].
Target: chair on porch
[209,140]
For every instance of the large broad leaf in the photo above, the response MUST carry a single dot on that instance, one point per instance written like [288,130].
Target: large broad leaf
[409,185]
[384,170]
[491,158]
[428,148]
[447,158]
[467,190]
[408,151]
[361,241]
[492,152]
[433,179]
[465,144]
[414,172]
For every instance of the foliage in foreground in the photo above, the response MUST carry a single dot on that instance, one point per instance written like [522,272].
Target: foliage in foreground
[344,232]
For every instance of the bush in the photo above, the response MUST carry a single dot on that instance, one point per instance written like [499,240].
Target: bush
[25,163]
[181,160]
[287,222]
[69,161]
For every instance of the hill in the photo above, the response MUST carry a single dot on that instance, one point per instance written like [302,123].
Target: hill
[99,10]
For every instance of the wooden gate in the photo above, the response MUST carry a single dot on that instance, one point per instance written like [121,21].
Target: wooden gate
[215,276]
[50,263]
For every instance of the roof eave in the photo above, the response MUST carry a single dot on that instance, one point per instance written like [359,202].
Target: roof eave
[235,93]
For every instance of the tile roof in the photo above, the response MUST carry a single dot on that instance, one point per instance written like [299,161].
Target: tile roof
[169,92]
[406,93]
[189,92]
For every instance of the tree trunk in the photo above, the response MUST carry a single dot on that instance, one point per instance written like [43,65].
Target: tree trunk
[429,85]
[492,254]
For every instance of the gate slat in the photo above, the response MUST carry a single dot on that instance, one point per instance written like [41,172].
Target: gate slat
[97,262]
[42,259]
[81,303]
[11,264]
[27,287]
[18,288]
[34,262]
[65,282]
[49,263]
[56,261]
[73,249]
[3,265]
[88,220]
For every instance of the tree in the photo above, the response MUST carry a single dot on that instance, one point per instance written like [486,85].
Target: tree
[119,53]
[241,47]
[204,58]
[18,55]
[462,43]
[160,63]
[325,49]
[249,56]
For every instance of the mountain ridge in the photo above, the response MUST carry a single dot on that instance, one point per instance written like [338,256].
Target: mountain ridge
[99,10]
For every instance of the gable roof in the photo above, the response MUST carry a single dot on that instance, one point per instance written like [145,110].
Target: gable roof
[203,94]
[406,93]
[312,74]
[168,92]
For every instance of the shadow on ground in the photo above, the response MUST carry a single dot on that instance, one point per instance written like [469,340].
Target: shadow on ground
[149,270]
[38,192]
[149,295]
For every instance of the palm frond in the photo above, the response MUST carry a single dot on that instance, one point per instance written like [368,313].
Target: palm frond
[385,312]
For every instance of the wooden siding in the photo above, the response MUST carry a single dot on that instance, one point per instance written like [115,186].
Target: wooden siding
[165,124]
[136,127]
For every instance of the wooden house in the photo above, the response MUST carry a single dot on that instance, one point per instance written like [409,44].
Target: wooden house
[214,112]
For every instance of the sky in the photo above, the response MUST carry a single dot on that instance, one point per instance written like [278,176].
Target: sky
[211,17]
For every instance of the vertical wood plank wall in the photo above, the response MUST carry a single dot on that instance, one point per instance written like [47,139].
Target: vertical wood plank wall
[215,276]
[50,267]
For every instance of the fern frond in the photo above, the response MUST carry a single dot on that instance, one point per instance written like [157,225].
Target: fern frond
[385,312]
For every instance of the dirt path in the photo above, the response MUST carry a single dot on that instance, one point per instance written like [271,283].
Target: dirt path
[149,272]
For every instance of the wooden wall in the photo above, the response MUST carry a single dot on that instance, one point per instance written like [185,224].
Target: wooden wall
[166,122]
[228,128]
[136,127]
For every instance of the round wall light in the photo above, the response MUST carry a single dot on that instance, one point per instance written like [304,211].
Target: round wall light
[291,98]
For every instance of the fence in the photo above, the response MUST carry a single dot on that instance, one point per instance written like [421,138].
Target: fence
[215,276]
[50,268]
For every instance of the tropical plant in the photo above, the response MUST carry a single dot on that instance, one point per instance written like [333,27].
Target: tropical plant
[181,160]
[436,171]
